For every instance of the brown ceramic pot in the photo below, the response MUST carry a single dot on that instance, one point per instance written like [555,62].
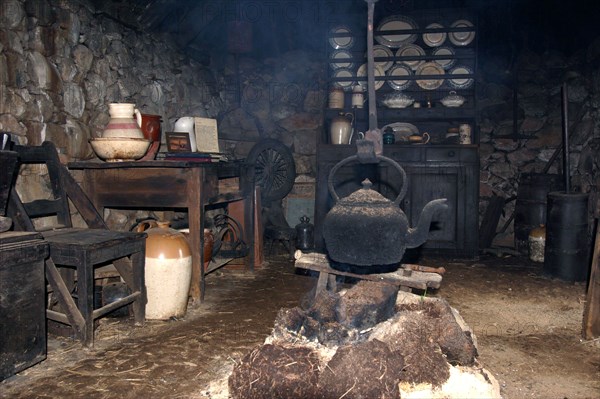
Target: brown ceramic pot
[209,241]
[150,125]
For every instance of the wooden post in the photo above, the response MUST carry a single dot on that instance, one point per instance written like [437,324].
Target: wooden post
[591,312]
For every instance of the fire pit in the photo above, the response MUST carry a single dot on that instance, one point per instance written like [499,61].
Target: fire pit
[370,341]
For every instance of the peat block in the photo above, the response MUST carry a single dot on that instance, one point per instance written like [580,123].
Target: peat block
[366,370]
[324,306]
[275,371]
[366,304]
[456,344]
[409,334]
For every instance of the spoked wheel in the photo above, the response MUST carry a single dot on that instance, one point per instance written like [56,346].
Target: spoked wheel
[274,169]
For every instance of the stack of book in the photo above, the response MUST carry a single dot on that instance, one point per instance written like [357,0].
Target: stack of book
[191,156]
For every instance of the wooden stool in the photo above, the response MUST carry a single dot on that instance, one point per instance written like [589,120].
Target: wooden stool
[406,278]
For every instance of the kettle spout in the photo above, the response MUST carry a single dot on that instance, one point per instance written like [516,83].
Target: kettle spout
[417,236]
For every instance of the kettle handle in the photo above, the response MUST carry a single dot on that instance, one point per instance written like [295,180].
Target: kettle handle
[351,158]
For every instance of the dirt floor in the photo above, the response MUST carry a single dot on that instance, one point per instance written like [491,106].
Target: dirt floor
[528,329]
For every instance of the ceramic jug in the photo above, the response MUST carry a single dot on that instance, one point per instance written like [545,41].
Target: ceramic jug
[122,122]
[358,98]
[336,98]
[186,125]
[149,124]
[168,271]
[209,242]
[341,128]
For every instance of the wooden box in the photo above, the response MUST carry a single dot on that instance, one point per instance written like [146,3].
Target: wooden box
[22,301]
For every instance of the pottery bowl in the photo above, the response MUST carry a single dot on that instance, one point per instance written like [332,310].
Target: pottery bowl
[397,101]
[116,149]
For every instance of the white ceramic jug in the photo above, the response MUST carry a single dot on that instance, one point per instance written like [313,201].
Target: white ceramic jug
[186,125]
[122,122]
[341,128]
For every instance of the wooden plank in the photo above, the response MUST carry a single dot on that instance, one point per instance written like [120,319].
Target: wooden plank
[489,224]
[419,280]
[591,312]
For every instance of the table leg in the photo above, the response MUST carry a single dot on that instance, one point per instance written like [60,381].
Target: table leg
[196,223]
[321,283]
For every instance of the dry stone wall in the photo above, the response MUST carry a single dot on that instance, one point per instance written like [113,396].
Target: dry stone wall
[540,76]
[62,63]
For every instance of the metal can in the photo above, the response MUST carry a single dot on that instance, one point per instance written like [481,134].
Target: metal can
[464,133]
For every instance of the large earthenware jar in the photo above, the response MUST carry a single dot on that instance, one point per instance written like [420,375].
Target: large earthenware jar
[168,271]
[123,122]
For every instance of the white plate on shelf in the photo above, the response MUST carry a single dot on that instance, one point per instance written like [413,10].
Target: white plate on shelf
[445,63]
[411,50]
[399,70]
[344,73]
[382,51]
[396,22]
[430,68]
[461,83]
[341,59]
[462,38]
[434,39]
[341,41]
[362,73]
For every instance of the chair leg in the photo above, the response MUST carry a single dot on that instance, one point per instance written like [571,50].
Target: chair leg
[139,305]
[85,301]
[72,314]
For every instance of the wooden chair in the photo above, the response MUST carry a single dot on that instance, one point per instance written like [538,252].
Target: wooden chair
[78,251]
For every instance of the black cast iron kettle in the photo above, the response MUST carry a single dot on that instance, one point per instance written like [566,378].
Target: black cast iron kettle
[367,229]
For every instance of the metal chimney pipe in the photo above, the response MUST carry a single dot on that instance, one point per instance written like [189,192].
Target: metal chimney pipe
[565,138]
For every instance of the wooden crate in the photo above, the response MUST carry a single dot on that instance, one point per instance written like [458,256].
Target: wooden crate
[22,301]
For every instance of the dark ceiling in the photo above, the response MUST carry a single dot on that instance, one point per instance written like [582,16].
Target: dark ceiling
[202,27]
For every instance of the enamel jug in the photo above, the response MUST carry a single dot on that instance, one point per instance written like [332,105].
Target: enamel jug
[341,128]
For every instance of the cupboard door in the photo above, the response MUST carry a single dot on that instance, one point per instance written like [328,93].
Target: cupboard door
[427,183]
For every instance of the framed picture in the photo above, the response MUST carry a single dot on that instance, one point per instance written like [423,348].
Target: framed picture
[178,142]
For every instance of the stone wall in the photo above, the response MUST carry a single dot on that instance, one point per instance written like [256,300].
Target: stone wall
[540,77]
[62,63]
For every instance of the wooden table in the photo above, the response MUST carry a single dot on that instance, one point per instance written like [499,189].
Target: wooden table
[172,184]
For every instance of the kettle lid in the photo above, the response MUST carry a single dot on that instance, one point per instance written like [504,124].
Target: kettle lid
[365,196]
